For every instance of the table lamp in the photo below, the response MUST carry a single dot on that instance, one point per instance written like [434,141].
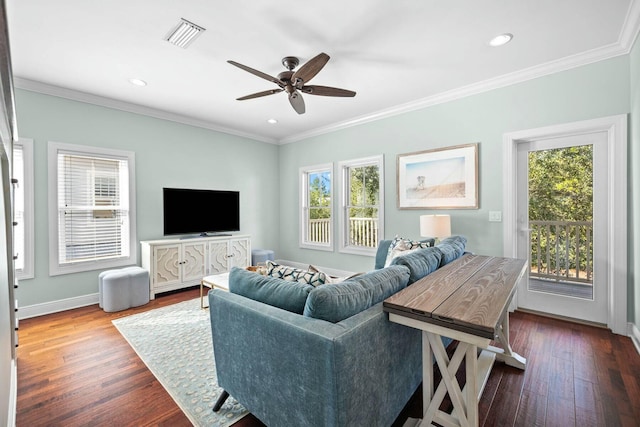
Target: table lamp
[437,226]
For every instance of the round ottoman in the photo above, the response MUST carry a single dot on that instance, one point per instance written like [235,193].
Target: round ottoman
[261,255]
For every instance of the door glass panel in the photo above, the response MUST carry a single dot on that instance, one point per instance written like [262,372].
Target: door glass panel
[561,221]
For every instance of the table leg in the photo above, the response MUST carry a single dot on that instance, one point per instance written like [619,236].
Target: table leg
[465,414]
[506,354]
[427,373]
[201,299]
[471,386]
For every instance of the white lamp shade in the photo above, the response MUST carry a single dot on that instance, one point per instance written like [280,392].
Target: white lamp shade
[435,226]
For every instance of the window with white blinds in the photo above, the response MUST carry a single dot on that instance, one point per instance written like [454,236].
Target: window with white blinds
[93,208]
[23,208]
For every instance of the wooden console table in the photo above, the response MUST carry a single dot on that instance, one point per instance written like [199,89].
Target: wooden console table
[466,300]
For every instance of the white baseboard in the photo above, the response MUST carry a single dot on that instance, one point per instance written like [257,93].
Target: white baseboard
[634,334]
[35,310]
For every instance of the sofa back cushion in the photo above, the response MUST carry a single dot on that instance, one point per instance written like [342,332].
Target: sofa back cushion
[290,296]
[385,247]
[336,302]
[452,248]
[419,262]
[381,253]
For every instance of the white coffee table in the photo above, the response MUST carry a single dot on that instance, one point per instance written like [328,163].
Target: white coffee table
[214,281]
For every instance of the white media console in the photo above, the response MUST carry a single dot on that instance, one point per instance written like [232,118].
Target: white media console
[181,263]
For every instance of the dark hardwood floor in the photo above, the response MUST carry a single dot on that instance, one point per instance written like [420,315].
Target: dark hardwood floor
[75,369]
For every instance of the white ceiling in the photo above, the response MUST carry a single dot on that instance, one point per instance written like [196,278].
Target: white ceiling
[397,55]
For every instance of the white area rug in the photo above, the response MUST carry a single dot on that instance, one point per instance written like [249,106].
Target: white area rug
[175,344]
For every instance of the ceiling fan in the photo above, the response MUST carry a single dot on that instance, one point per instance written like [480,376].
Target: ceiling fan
[294,82]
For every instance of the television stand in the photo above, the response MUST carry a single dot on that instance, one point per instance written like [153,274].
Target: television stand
[176,264]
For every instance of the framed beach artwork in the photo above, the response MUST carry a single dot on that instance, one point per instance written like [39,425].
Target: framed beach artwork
[443,178]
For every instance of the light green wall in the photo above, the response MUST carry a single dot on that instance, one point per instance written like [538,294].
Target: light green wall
[167,154]
[596,90]
[634,188]
[172,154]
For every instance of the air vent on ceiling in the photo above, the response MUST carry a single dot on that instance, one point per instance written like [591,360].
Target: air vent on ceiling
[184,33]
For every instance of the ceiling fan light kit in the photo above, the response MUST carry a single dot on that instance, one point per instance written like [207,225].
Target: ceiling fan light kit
[293,82]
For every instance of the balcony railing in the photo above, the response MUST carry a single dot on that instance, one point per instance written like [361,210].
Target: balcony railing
[562,251]
[362,231]
[319,230]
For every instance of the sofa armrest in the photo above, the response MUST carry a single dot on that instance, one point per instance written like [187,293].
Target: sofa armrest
[288,369]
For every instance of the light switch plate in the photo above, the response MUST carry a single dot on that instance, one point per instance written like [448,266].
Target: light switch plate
[495,216]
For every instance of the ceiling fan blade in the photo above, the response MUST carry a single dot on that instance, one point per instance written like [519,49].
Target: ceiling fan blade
[258,73]
[259,94]
[327,91]
[309,69]
[295,98]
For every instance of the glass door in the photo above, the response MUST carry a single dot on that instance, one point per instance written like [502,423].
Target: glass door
[562,199]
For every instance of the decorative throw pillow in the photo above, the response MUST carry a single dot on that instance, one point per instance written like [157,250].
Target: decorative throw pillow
[332,279]
[400,245]
[292,274]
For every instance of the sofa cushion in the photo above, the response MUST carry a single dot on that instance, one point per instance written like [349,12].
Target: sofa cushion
[452,248]
[420,262]
[336,302]
[293,274]
[400,244]
[290,296]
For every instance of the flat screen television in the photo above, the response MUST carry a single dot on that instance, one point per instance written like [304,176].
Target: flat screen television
[191,211]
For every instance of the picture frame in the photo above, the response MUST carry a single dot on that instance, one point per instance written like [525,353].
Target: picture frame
[442,178]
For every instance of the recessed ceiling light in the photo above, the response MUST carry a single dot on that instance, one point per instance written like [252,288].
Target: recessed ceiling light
[500,40]
[272,121]
[137,82]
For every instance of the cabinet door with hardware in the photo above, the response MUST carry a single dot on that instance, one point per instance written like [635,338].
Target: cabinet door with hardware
[218,257]
[240,253]
[193,261]
[167,265]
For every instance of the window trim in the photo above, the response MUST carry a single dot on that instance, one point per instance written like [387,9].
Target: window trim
[54,262]
[27,272]
[304,173]
[343,168]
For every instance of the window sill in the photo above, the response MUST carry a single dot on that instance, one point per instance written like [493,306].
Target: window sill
[58,270]
[354,250]
[326,248]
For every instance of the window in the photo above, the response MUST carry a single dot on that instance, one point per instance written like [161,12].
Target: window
[92,208]
[316,207]
[362,205]
[23,208]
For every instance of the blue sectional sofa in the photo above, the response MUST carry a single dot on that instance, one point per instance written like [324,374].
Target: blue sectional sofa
[300,355]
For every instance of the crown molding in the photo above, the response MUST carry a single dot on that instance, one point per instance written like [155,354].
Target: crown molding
[552,67]
[631,26]
[62,92]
